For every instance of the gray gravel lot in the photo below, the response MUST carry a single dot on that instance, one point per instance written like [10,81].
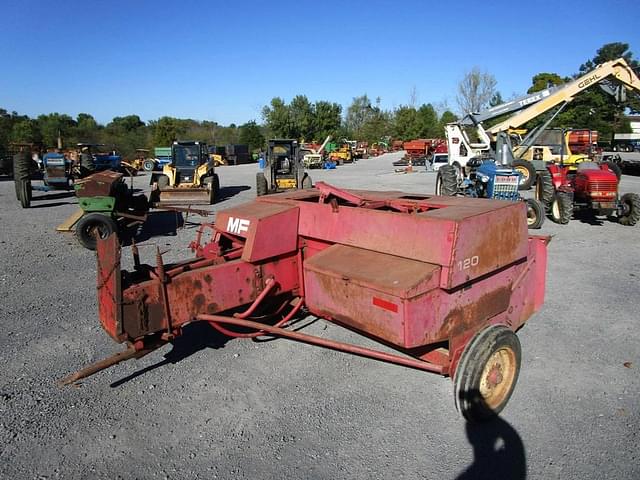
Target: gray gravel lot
[211,408]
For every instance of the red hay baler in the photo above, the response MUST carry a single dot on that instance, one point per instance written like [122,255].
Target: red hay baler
[445,281]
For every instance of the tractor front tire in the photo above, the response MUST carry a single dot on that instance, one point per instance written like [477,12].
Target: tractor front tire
[615,168]
[262,188]
[631,209]
[561,208]
[544,189]
[306,182]
[487,373]
[447,181]
[527,173]
[535,213]
[92,225]
[149,165]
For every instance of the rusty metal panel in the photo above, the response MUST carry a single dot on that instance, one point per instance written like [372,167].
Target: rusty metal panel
[366,290]
[109,286]
[270,229]
[97,185]
[487,242]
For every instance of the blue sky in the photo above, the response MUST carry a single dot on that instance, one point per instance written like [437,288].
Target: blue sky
[223,61]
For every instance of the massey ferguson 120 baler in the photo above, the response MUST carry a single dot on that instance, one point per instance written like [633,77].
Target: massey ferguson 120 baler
[445,281]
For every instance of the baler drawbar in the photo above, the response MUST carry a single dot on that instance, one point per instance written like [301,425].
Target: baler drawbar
[445,281]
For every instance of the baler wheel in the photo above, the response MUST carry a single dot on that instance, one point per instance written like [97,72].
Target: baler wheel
[561,208]
[631,209]
[94,224]
[487,373]
[447,181]
[535,213]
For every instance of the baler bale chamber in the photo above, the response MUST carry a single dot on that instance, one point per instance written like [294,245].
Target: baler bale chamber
[445,281]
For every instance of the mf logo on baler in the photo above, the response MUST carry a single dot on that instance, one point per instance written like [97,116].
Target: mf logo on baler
[237,225]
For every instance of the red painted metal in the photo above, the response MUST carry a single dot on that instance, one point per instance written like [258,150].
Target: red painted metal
[419,273]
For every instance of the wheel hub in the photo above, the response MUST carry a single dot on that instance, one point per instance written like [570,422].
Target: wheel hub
[497,377]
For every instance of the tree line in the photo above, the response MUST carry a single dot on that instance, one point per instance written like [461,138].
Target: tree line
[364,119]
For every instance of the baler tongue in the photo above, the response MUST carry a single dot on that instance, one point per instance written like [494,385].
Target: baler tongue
[184,196]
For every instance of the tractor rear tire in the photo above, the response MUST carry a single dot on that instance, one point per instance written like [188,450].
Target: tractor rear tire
[94,224]
[544,189]
[535,213]
[631,204]
[25,193]
[561,208]
[487,373]
[447,181]
[262,188]
[615,168]
[527,173]
[306,182]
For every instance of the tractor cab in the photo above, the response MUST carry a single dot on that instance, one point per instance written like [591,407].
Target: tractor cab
[284,168]
[186,160]
[189,179]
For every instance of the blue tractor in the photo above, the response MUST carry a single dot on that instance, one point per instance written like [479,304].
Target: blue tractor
[487,179]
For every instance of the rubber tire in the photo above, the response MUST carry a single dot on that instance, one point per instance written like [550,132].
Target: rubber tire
[544,189]
[614,168]
[561,208]
[632,202]
[528,168]
[163,182]
[447,181]
[262,188]
[25,193]
[105,225]
[306,182]
[468,375]
[535,213]
[149,165]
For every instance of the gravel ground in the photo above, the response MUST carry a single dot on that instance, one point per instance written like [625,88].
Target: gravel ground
[211,408]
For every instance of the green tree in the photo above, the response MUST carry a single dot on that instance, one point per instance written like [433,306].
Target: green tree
[53,125]
[405,124]
[542,81]
[25,131]
[250,134]
[427,119]
[301,114]
[278,119]
[327,119]
[166,130]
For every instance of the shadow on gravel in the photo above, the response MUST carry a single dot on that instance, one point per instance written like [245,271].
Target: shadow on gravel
[195,337]
[47,205]
[589,218]
[498,452]
[228,192]
[158,224]
[52,196]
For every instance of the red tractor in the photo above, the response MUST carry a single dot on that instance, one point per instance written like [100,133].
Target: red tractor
[592,188]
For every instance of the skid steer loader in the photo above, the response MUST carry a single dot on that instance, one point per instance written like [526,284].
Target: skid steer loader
[188,180]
